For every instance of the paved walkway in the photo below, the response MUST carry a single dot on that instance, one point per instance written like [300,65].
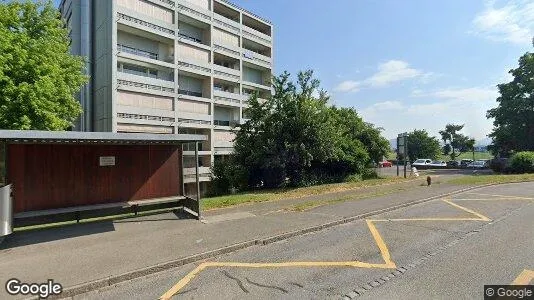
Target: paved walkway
[76,254]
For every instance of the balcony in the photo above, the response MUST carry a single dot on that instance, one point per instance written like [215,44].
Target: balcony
[257,58]
[257,36]
[227,98]
[226,23]
[190,93]
[226,73]
[143,87]
[194,67]
[227,50]
[265,85]
[194,11]
[141,24]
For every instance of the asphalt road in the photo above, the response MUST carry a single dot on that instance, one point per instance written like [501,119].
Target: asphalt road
[445,248]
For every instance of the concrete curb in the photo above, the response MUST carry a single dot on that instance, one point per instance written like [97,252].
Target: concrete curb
[115,279]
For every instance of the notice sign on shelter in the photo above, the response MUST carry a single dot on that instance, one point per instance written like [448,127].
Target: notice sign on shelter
[106,161]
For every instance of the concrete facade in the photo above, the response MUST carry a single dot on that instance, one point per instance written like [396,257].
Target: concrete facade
[170,66]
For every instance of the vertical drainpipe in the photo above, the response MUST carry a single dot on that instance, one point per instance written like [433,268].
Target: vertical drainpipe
[197,180]
[86,51]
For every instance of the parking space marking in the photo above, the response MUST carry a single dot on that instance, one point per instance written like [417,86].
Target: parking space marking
[384,251]
[524,278]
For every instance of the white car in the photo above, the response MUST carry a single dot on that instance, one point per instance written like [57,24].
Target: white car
[422,163]
[438,164]
[479,164]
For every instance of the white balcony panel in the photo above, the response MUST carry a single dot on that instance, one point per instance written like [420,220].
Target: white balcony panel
[257,85]
[228,50]
[145,79]
[141,87]
[226,23]
[144,111]
[194,11]
[128,127]
[170,4]
[257,36]
[191,153]
[145,122]
[194,66]
[148,9]
[201,170]
[223,150]
[133,19]
[227,98]
[226,73]
[257,59]
[203,178]
[143,59]
[189,97]
[193,125]
[193,116]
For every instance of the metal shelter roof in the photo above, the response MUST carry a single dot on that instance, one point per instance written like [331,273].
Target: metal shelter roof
[97,138]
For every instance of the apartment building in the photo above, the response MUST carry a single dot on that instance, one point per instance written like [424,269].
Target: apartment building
[170,66]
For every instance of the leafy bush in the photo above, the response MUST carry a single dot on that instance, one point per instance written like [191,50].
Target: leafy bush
[500,165]
[227,176]
[522,162]
[369,174]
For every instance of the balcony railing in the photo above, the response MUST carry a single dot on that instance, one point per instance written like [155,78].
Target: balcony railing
[221,73]
[169,2]
[144,117]
[227,50]
[193,12]
[191,121]
[135,51]
[145,23]
[189,93]
[225,123]
[253,33]
[190,38]
[121,82]
[194,66]
[225,22]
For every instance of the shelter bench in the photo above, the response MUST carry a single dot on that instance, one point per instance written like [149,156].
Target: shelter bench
[96,210]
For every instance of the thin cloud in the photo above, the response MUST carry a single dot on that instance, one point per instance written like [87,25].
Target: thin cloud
[511,23]
[387,73]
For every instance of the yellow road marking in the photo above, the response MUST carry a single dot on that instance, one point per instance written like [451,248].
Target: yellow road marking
[524,278]
[384,251]
[482,217]
[184,281]
[380,243]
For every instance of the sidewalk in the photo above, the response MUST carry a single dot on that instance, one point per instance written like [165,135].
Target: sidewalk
[82,253]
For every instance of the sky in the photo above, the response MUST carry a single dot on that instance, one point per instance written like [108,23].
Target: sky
[404,65]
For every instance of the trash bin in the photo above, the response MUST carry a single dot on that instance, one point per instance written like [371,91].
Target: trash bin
[6,212]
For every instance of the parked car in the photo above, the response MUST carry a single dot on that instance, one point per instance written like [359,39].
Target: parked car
[385,164]
[465,162]
[438,164]
[479,164]
[422,163]
[453,164]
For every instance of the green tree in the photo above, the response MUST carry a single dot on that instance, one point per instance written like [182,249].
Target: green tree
[38,76]
[514,116]
[455,142]
[422,145]
[298,136]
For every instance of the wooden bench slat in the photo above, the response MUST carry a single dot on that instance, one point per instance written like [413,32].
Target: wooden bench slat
[56,211]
